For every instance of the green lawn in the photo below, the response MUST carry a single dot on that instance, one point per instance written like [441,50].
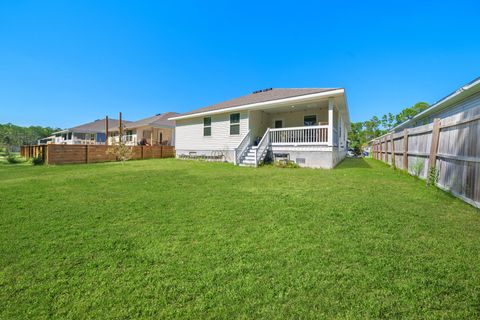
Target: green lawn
[180,239]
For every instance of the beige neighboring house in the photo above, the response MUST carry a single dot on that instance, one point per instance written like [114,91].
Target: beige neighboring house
[88,133]
[156,130]
[307,125]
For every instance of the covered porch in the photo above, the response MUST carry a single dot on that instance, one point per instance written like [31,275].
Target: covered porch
[153,136]
[314,123]
[295,130]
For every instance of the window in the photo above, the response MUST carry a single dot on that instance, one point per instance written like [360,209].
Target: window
[207,127]
[235,123]
[101,137]
[310,120]
[278,124]
[129,134]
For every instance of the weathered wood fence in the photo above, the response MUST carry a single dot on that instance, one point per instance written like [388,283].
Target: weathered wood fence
[451,145]
[64,153]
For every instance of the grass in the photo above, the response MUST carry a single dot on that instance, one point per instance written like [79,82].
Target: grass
[16,155]
[179,239]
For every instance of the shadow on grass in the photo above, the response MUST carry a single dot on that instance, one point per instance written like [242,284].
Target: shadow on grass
[353,163]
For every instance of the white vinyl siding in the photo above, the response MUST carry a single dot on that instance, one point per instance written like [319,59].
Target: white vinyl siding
[189,133]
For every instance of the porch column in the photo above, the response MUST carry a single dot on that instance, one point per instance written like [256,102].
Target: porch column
[331,105]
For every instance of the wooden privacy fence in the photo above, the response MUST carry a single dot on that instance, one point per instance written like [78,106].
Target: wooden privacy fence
[451,145]
[65,153]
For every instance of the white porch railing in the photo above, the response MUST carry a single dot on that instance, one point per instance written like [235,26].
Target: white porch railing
[242,147]
[262,148]
[310,135]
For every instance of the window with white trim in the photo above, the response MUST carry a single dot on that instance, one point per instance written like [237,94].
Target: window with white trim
[235,123]
[207,126]
[310,120]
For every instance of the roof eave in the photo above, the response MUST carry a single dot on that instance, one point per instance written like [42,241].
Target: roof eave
[270,103]
[452,98]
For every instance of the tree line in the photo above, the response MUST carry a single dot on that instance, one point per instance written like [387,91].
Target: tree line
[15,136]
[364,131]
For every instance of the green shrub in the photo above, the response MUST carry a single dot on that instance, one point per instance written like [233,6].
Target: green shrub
[286,164]
[36,161]
[432,177]
[417,167]
[12,159]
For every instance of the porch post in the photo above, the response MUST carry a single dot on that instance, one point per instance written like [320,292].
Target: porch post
[106,130]
[331,105]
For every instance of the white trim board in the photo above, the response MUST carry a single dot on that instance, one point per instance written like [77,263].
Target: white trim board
[266,104]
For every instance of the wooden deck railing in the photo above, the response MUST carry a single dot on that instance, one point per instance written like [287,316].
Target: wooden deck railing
[299,135]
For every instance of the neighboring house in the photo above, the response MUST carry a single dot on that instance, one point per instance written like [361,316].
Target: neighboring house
[156,130]
[88,133]
[308,126]
[464,99]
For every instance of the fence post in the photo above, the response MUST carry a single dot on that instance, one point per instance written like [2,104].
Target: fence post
[393,150]
[380,156]
[142,151]
[434,146]
[385,159]
[405,149]
[86,153]
[161,152]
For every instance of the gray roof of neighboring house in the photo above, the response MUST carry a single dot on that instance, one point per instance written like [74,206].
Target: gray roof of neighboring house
[465,91]
[261,96]
[98,126]
[158,121]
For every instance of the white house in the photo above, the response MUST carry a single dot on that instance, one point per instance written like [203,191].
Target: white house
[308,126]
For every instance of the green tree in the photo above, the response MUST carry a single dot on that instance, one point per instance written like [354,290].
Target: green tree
[362,132]
[14,136]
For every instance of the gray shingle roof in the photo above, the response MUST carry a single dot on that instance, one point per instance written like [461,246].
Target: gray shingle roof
[270,95]
[98,126]
[160,120]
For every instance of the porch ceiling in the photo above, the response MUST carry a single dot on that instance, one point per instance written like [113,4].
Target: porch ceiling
[298,107]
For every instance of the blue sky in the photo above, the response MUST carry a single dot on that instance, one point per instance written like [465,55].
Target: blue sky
[64,63]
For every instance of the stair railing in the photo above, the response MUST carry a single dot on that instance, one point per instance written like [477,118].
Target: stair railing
[242,147]
[262,147]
